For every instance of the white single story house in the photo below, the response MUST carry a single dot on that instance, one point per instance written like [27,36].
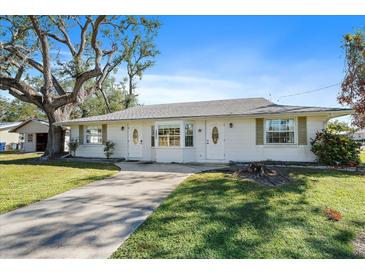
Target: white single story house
[252,129]
[9,140]
[35,133]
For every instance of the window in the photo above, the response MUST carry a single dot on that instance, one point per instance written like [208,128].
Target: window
[30,138]
[135,136]
[169,136]
[279,131]
[152,136]
[94,135]
[189,139]
[215,135]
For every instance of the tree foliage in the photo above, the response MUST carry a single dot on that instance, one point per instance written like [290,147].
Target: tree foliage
[334,149]
[337,126]
[16,110]
[57,62]
[353,85]
[116,94]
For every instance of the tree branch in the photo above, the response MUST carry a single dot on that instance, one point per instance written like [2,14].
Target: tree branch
[21,90]
[83,37]
[61,26]
[35,65]
[94,42]
[47,75]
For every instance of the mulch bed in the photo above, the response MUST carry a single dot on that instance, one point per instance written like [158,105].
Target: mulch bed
[267,176]
[272,176]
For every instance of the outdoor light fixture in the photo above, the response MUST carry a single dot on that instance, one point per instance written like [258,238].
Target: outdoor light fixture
[199,130]
[122,128]
[231,125]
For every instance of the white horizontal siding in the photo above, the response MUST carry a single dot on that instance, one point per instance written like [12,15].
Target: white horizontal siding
[29,146]
[118,137]
[168,155]
[239,143]
[8,137]
[33,127]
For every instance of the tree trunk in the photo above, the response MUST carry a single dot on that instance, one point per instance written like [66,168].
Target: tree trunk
[55,141]
[56,134]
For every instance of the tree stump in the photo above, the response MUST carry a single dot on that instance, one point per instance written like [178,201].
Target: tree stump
[263,175]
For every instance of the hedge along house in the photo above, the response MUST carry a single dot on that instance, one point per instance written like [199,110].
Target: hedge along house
[251,129]
[35,134]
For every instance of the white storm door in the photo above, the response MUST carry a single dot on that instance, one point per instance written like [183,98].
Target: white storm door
[135,141]
[215,141]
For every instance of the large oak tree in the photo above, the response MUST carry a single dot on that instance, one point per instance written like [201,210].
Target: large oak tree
[56,62]
[353,85]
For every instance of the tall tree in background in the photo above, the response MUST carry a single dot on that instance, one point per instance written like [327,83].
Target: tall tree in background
[353,86]
[337,126]
[138,55]
[116,95]
[4,104]
[16,110]
[57,62]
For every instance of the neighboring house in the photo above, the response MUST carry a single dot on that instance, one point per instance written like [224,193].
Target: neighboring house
[9,140]
[359,135]
[251,129]
[35,132]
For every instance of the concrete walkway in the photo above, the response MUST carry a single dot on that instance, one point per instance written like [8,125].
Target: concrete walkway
[90,221]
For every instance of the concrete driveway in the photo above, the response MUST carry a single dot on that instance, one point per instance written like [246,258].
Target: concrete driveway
[90,221]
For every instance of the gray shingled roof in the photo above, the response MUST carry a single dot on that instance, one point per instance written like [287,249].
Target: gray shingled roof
[4,125]
[232,107]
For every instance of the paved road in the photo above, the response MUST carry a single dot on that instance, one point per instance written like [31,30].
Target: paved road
[90,221]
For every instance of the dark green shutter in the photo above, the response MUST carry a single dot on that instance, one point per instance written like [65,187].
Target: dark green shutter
[104,133]
[259,131]
[302,130]
[81,134]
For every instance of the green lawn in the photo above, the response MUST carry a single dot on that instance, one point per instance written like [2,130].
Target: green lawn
[24,181]
[214,215]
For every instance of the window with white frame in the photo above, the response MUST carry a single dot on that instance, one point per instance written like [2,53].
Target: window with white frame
[279,131]
[94,135]
[169,135]
[189,138]
[30,137]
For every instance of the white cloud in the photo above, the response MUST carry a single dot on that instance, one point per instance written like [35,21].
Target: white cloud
[155,89]
[277,81]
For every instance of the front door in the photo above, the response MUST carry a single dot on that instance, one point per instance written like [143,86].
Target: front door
[135,142]
[215,141]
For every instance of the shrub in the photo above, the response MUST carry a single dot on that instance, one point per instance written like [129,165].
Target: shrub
[73,145]
[333,149]
[108,149]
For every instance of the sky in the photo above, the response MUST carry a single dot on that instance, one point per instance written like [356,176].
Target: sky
[221,57]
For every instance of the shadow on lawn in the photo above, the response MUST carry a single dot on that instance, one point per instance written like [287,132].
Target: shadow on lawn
[230,225]
[60,163]
[74,222]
